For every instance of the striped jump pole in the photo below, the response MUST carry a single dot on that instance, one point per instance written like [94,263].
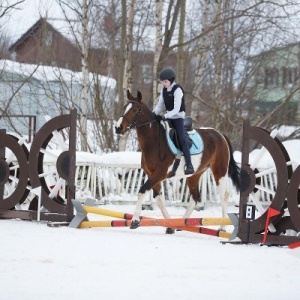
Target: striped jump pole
[156,222]
[126,216]
[161,222]
[187,224]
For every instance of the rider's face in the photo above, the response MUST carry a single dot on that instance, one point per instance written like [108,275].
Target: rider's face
[166,83]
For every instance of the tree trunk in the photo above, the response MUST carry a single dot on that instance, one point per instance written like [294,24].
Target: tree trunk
[171,20]
[85,79]
[121,62]
[128,79]
[218,69]
[180,54]
[158,47]
[201,63]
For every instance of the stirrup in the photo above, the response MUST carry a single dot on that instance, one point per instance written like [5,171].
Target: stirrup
[189,170]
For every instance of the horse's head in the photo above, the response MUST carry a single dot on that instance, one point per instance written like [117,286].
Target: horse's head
[133,111]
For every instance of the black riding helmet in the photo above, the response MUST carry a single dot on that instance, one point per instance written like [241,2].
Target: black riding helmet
[167,74]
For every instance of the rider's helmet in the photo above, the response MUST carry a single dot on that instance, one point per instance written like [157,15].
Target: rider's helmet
[167,74]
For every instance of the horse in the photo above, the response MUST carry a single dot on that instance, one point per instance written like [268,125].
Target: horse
[157,159]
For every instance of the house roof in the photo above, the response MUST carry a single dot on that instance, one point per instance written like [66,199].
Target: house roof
[274,50]
[47,73]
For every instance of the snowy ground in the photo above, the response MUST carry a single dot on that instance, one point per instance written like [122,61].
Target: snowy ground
[39,262]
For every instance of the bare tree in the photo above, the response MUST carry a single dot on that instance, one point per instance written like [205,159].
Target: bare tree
[128,80]
[85,79]
[121,60]
[158,45]
[180,52]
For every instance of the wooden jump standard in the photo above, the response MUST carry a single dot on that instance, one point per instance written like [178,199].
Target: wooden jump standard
[187,224]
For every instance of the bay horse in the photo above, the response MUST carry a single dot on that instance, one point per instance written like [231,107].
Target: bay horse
[157,159]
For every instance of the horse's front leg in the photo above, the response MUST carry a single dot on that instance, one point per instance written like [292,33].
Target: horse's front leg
[135,221]
[160,200]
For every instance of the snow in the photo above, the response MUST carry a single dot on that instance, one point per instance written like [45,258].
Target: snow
[40,262]
[47,73]
[266,161]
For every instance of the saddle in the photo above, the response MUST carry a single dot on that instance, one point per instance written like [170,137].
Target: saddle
[193,138]
[188,123]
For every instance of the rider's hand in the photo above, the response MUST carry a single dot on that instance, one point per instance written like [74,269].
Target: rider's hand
[158,118]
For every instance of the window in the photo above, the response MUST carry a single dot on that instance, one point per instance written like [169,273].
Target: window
[271,77]
[14,56]
[147,73]
[289,76]
[49,38]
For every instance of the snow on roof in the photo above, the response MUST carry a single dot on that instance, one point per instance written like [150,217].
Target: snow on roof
[48,73]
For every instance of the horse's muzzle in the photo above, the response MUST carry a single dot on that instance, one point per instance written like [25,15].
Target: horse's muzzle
[119,130]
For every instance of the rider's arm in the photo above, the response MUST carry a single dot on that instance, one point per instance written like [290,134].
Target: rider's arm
[160,106]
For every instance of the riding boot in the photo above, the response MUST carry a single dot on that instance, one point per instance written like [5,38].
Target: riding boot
[189,167]
[187,155]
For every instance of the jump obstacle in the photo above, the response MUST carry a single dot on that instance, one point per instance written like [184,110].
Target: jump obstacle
[187,224]
[266,227]
[28,167]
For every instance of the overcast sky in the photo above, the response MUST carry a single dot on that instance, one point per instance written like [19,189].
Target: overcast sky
[21,19]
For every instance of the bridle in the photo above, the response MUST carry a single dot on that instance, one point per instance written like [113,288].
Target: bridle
[136,118]
[133,124]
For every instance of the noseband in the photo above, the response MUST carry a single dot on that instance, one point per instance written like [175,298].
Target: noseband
[133,123]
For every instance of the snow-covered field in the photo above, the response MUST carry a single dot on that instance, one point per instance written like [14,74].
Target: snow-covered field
[40,262]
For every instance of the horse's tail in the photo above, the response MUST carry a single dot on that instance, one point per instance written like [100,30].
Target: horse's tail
[234,171]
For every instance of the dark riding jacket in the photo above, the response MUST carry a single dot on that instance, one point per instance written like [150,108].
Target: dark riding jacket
[171,100]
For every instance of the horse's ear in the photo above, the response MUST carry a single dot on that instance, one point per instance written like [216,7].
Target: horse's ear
[139,95]
[129,96]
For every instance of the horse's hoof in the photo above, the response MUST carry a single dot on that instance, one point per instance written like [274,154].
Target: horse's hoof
[135,224]
[170,231]
[222,229]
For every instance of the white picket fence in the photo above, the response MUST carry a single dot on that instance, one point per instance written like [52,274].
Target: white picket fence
[121,183]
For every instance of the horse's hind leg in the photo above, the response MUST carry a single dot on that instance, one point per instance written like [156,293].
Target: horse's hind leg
[193,184]
[221,182]
[160,201]
[224,196]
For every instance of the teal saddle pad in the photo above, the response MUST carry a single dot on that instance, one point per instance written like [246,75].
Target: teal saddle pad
[197,145]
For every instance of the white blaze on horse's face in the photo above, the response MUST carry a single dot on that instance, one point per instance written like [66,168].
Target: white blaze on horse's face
[125,112]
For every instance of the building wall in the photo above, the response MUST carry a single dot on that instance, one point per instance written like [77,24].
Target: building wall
[48,48]
[277,79]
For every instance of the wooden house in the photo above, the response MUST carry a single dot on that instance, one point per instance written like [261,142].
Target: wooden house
[43,44]
[55,43]
[29,90]
[277,81]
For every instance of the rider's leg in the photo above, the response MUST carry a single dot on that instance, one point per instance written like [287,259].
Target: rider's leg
[178,124]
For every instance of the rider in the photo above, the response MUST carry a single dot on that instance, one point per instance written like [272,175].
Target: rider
[171,99]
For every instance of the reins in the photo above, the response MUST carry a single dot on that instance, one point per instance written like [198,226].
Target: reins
[134,124]
[136,118]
